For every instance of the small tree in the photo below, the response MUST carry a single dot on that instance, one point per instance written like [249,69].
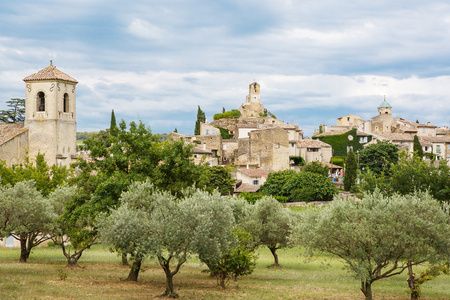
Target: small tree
[113,129]
[418,151]
[350,171]
[201,118]
[26,215]
[16,113]
[239,261]
[417,227]
[270,225]
[220,179]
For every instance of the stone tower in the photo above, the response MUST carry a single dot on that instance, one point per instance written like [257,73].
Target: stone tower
[252,108]
[50,116]
[383,121]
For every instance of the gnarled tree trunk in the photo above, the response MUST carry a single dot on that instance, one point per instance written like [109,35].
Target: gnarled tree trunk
[275,257]
[124,259]
[134,271]
[366,288]
[412,282]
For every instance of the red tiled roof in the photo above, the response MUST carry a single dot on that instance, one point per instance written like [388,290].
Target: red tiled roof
[50,73]
[10,130]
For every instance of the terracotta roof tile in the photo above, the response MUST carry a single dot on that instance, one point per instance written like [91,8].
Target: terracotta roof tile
[10,130]
[50,73]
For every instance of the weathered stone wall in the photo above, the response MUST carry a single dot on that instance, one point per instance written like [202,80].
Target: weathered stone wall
[14,150]
[53,131]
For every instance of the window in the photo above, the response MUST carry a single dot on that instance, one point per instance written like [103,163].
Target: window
[363,139]
[255,182]
[438,148]
[40,101]
[207,131]
[448,147]
[66,103]
[312,149]
[349,148]
[213,131]
[348,118]
[423,130]
[224,147]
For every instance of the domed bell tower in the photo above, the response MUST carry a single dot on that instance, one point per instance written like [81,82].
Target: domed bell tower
[50,115]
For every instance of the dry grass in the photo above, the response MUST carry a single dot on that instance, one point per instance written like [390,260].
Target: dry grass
[102,277]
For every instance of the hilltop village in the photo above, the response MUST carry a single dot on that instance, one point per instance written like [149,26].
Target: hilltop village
[257,143]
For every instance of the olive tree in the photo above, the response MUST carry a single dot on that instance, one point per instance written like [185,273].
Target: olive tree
[270,225]
[379,236]
[26,215]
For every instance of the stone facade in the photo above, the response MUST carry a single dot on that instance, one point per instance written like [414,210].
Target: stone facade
[252,106]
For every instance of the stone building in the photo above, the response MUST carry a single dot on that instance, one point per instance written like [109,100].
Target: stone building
[50,121]
[252,106]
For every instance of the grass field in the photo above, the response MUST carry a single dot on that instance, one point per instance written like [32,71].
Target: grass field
[102,277]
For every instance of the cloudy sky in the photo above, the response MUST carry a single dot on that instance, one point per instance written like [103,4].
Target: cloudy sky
[155,61]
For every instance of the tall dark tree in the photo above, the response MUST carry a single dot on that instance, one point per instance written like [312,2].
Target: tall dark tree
[113,127]
[200,118]
[15,113]
[418,151]
[350,171]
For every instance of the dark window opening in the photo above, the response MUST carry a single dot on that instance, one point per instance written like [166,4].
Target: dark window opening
[40,101]
[66,103]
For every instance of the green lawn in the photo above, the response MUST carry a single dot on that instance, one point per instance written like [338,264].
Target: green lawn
[102,277]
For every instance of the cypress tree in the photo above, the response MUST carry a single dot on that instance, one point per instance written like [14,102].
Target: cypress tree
[350,171]
[113,126]
[200,118]
[418,151]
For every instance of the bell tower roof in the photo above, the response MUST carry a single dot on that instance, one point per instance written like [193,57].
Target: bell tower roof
[50,73]
[385,104]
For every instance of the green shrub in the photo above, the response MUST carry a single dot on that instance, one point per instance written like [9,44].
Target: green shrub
[234,113]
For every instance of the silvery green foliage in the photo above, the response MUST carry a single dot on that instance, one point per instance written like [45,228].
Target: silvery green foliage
[23,210]
[242,210]
[213,235]
[378,235]
[140,195]
[270,225]
[59,197]
[124,230]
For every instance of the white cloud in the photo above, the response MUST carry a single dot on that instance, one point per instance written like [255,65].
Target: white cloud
[145,30]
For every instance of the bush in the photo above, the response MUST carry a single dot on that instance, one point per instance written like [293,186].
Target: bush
[234,113]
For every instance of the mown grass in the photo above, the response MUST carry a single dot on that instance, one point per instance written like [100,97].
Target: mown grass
[102,277]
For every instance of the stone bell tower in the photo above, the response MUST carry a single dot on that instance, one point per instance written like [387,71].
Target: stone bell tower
[50,116]
[252,108]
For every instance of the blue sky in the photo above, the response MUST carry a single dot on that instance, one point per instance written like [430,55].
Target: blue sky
[156,61]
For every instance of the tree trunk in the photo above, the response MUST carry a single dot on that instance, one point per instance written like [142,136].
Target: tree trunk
[169,292]
[134,271]
[366,288]
[24,253]
[275,257]
[124,259]
[415,293]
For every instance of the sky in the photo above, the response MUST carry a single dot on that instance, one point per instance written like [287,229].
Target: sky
[156,61]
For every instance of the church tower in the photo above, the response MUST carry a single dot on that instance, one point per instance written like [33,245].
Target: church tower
[50,116]
[252,108]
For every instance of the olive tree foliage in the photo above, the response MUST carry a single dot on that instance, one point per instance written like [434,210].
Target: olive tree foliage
[26,215]
[271,225]
[417,226]
[151,222]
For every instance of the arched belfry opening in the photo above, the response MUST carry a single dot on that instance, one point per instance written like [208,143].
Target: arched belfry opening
[66,103]
[40,101]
